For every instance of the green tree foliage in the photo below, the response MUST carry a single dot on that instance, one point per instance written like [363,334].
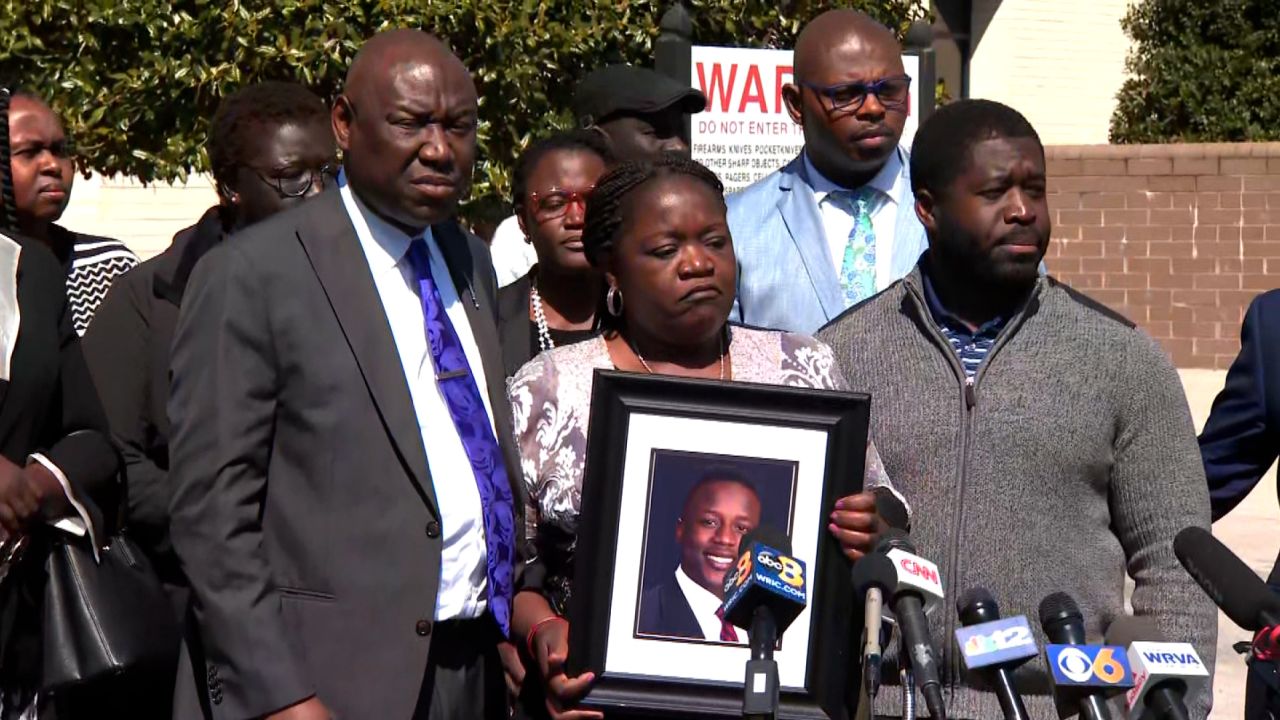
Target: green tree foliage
[138,80]
[1202,71]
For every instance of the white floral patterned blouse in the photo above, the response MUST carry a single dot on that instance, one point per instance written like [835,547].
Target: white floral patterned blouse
[551,397]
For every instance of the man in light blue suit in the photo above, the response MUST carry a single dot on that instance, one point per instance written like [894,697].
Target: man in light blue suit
[838,223]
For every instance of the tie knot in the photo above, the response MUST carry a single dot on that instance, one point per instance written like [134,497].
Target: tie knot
[720,613]
[858,201]
[419,257]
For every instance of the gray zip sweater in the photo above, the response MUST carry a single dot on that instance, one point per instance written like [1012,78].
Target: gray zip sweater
[1069,460]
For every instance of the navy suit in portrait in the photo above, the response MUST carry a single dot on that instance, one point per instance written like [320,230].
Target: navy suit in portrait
[665,611]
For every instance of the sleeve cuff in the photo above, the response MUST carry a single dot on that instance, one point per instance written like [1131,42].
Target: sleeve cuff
[78,526]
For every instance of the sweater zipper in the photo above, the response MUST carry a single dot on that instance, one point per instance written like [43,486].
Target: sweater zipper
[968,401]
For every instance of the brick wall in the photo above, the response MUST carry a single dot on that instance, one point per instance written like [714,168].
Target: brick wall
[1179,238]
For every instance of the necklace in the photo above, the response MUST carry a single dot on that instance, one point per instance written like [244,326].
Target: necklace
[649,370]
[545,342]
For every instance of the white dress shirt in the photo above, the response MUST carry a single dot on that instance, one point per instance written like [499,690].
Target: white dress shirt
[704,604]
[837,219]
[513,255]
[463,569]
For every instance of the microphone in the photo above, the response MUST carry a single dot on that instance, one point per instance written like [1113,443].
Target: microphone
[891,510]
[996,646]
[1081,670]
[873,576]
[763,594]
[918,587]
[1232,586]
[1164,673]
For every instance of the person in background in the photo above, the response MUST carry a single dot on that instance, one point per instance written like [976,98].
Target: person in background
[344,499]
[43,173]
[641,114]
[270,147]
[719,510]
[58,470]
[1241,440]
[837,224]
[657,231]
[1009,406]
[558,301]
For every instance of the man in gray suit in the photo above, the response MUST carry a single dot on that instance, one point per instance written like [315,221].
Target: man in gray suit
[837,224]
[345,497]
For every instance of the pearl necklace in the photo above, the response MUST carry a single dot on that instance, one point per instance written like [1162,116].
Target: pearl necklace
[649,370]
[545,342]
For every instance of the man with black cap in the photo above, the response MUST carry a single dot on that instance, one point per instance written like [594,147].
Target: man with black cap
[640,112]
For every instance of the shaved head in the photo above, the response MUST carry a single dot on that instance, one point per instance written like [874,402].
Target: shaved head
[406,123]
[848,30]
[849,133]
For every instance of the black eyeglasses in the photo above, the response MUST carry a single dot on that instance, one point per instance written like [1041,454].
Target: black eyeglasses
[894,93]
[296,183]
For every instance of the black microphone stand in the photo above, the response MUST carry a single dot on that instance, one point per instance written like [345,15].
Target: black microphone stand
[760,690]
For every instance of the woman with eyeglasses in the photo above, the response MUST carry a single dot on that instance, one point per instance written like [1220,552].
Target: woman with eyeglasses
[559,301]
[270,147]
[43,173]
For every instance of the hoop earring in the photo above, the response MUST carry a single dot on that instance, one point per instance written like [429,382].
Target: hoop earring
[614,296]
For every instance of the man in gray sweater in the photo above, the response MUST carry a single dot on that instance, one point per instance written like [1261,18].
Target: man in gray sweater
[1044,443]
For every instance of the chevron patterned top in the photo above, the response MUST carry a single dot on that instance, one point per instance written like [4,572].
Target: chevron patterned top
[95,264]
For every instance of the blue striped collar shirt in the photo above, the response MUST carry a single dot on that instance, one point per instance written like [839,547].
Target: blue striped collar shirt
[971,346]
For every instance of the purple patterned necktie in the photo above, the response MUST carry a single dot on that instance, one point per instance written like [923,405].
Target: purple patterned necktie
[462,395]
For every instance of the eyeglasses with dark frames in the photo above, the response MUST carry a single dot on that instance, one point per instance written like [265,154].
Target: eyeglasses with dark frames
[555,202]
[894,93]
[295,184]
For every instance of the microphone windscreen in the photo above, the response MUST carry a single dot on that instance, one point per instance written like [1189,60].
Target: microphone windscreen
[975,598]
[1231,584]
[874,570]
[890,509]
[765,535]
[1127,629]
[1057,606]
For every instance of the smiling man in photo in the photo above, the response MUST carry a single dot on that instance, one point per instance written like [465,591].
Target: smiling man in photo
[720,508]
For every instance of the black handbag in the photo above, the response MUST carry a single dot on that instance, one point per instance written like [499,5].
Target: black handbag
[102,618]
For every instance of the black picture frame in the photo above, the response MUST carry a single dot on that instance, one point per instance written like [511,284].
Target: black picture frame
[831,669]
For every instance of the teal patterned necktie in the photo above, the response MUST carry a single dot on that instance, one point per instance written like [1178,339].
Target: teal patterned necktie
[858,265]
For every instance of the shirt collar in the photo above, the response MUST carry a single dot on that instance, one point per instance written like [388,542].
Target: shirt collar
[390,243]
[702,601]
[944,317]
[889,181]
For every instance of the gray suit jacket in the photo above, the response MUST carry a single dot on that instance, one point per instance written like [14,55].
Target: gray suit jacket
[302,509]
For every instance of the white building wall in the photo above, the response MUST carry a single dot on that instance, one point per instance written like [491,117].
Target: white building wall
[144,217]
[1059,62]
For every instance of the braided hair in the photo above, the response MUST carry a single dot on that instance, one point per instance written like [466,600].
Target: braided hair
[606,210]
[8,203]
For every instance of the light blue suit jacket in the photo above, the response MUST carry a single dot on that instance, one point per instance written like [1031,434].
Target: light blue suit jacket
[786,277]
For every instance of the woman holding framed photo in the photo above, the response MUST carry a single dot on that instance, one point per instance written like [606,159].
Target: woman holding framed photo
[658,232]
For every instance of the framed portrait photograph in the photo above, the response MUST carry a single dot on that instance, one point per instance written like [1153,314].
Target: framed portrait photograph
[677,471]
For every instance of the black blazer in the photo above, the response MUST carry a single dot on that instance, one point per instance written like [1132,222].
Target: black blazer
[303,510]
[127,347]
[513,324]
[49,406]
[665,611]
[1241,438]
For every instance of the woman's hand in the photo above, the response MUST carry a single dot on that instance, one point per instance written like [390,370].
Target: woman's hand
[855,524]
[550,647]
